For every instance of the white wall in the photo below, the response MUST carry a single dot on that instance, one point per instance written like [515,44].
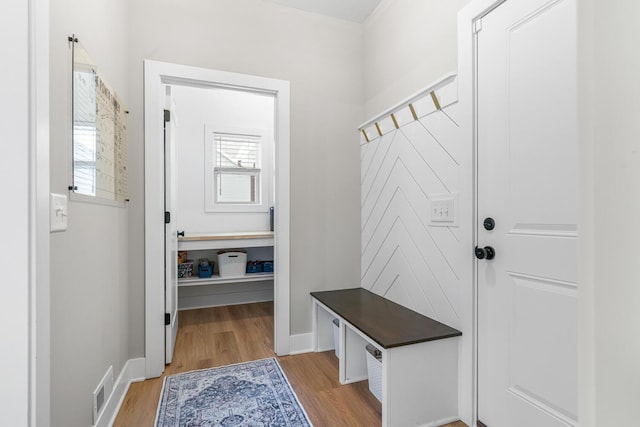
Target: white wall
[407,45]
[609,95]
[14,251]
[195,109]
[89,261]
[321,57]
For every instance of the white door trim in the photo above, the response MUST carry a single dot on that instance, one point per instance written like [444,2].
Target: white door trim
[155,75]
[467,99]
[25,252]
[40,354]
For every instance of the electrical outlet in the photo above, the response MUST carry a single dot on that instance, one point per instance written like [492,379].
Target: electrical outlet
[59,212]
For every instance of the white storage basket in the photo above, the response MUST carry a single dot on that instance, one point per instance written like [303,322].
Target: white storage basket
[374,370]
[232,264]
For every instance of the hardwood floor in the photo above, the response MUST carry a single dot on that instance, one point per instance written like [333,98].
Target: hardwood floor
[224,335]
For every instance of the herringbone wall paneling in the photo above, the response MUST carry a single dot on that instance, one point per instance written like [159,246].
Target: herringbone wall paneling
[405,257]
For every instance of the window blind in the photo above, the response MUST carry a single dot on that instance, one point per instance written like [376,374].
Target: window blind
[237,151]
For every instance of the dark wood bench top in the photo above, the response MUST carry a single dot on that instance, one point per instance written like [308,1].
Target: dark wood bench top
[385,322]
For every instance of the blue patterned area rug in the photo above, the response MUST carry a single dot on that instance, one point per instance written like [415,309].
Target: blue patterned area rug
[255,394]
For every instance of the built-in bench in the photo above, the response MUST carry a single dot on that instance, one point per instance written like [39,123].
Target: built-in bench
[419,354]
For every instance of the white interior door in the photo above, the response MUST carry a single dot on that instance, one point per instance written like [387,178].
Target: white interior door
[528,184]
[171,232]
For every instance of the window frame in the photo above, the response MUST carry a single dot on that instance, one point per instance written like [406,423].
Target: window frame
[265,174]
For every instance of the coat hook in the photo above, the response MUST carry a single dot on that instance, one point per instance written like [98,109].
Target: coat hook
[435,100]
[413,112]
[395,122]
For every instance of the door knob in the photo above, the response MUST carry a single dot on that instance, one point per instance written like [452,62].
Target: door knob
[180,233]
[487,252]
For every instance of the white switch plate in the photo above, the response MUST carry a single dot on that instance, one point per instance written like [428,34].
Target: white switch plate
[58,213]
[443,209]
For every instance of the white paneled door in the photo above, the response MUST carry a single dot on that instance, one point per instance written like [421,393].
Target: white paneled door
[527,212]
[171,232]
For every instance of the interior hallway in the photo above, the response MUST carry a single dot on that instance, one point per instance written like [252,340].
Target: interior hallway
[239,333]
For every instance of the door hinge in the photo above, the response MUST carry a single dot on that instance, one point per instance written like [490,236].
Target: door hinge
[167,116]
[167,319]
[167,217]
[477,25]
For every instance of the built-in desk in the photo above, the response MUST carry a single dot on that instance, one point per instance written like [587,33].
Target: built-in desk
[419,354]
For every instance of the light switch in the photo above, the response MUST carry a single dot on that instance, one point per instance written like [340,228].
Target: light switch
[58,214]
[443,209]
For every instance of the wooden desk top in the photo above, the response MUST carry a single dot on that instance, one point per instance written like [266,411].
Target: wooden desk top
[385,322]
[226,236]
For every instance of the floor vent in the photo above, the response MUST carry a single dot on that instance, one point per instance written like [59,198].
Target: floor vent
[102,393]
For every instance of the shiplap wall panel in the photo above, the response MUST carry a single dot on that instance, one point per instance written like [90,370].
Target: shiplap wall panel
[405,257]
[401,164]
[365,149]
[402,227]
[433,153]
[374,159]
[444,130]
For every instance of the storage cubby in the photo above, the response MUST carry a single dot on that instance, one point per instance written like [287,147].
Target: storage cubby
[260,253]
[196,292]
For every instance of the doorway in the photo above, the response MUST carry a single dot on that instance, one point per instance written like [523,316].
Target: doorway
[158,76]
[527,209]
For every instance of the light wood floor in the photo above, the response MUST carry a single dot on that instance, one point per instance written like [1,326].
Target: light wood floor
[224,335]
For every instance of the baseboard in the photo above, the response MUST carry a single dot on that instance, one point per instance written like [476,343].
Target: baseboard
[133,371]
[441,422]
[302,343]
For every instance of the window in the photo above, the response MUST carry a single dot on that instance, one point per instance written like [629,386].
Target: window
[84,131]
[238,170]
[84,159]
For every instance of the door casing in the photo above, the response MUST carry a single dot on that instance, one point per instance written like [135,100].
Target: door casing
[156,75]
[527,295]
[467,86]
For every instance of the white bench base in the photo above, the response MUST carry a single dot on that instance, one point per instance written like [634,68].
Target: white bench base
[419,381]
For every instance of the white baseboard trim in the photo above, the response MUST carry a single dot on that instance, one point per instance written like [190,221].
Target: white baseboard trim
[302,343]
[133,371]
[441,422]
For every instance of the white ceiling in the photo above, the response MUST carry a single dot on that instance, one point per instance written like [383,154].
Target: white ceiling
[351,10]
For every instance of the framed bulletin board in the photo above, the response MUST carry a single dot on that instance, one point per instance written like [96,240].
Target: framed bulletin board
[99,132]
